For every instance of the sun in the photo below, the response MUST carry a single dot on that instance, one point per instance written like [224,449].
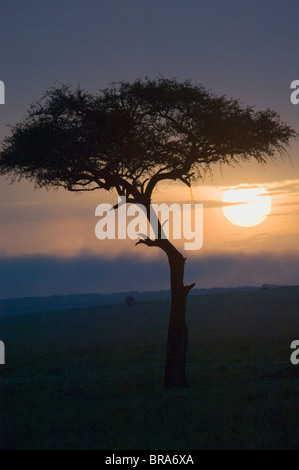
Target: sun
[246,207]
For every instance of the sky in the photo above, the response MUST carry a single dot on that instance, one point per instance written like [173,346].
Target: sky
[244,50]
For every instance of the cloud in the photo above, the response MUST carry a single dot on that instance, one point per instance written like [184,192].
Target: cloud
[42,275]
[274,188]
[41,211]
[282,187]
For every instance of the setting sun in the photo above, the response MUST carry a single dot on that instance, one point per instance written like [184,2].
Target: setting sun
[246,207]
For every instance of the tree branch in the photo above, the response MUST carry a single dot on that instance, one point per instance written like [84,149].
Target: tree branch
[188,288]
[175,174]
[148,242]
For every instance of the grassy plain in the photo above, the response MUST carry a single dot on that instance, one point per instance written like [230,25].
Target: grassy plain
[91,378]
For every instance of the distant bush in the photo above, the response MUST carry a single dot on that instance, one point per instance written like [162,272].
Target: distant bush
[129,300]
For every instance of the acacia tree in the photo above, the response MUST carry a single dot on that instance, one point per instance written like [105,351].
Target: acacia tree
[129,138]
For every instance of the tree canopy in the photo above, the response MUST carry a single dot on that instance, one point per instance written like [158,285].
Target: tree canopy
[131,136]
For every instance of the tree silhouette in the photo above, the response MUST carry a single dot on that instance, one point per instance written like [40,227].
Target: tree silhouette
[130,137]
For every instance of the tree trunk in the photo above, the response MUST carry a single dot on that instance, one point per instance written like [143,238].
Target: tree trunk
[175,375]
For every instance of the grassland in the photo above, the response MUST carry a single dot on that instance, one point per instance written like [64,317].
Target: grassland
[92,378]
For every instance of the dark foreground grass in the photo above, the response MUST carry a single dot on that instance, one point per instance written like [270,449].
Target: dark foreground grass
[92,378]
